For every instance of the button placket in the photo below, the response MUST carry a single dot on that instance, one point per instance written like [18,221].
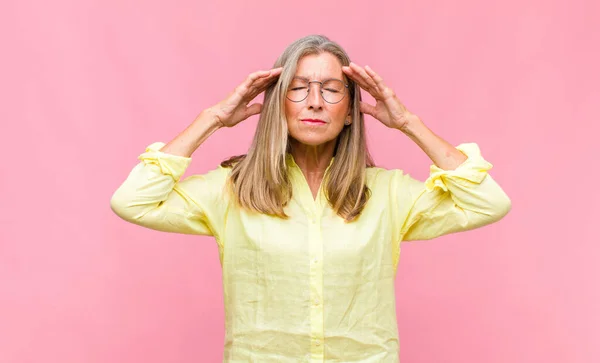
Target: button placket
[316,287]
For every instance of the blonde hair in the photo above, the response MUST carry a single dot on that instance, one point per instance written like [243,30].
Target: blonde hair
[259,179]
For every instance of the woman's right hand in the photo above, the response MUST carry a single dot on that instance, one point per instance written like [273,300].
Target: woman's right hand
[234,109]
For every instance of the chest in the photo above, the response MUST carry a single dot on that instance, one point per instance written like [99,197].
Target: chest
[311,233]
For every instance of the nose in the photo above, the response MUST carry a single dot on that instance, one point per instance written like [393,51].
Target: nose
[314,99]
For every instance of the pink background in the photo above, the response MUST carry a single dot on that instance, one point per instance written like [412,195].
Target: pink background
[86,85]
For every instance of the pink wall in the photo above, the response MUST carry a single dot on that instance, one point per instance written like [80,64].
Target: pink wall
[86,85]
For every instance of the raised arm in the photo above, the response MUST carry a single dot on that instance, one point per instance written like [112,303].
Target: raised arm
[153,195]
[458,195]
[448,201]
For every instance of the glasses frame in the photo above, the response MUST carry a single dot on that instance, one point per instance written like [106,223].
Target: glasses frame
[346,88]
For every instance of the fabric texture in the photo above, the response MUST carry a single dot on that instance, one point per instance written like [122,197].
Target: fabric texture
[311,288]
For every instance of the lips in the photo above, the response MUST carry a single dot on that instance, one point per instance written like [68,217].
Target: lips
[313,121]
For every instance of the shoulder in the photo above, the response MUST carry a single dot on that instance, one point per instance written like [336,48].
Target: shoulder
[377,175]
[217,175]
[392,181]
[208,189]
[210,183]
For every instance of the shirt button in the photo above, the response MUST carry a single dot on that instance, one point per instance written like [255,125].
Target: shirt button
[316,301]
[317,342]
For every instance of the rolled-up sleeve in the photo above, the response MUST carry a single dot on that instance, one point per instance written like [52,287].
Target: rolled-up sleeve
[153,195]
[449,200]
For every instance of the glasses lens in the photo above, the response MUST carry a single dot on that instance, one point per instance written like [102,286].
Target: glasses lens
[298,90]
[333,91]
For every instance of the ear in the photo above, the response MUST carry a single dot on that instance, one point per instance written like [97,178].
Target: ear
[348,120]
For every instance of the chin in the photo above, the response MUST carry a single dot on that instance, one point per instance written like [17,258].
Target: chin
[312,139]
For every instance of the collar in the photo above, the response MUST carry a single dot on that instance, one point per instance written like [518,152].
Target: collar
[290,162]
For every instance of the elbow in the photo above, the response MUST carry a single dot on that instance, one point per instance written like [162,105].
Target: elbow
[129,206]
[119,206]
[506,206]
[500,208]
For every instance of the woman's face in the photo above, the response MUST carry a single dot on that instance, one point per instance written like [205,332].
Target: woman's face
[330,117]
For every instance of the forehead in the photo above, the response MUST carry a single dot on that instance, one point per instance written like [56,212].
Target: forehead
[319,66]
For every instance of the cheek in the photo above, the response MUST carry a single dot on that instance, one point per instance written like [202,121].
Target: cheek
[341,112]
[291,109]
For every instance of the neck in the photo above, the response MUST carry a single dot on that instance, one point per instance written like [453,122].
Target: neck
[313,160]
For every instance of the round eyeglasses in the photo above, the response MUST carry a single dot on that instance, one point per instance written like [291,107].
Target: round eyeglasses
[332,90]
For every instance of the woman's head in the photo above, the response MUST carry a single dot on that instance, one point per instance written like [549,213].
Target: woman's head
[318,91]
[313,59]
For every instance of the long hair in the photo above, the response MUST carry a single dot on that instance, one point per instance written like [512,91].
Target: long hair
[259,180]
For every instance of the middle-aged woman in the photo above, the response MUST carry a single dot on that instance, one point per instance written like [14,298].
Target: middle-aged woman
[308,229]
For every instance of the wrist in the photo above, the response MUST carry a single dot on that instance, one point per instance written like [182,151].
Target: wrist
[210,118]
[413,127]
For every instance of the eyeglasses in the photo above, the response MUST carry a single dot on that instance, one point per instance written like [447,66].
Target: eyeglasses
[332,90]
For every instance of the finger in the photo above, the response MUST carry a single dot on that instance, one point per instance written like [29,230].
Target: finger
[253,109]
[276,70]
[353,73]
[258,82]
[356,78]
[245,88]
[270,74]
[252,77]
[261,83]
[264,82]
[258,87]
[256,75]
[378,80]
[366,108]
[365,76]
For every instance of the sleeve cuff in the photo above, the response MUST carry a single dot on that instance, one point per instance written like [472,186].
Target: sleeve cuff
[169,164]
[473,170]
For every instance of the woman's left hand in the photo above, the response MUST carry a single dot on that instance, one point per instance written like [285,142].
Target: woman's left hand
[388,109]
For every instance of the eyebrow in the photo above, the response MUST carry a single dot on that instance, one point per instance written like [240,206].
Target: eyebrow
[308,79]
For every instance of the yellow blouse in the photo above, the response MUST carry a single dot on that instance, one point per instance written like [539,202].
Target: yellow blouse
[311,288]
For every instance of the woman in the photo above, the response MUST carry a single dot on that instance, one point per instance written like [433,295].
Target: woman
[308,229]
